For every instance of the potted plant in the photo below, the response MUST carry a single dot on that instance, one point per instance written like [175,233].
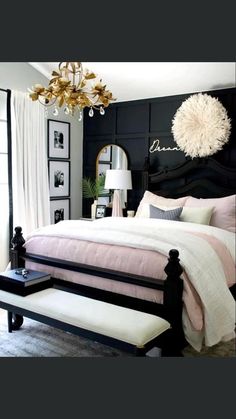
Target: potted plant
[93,188]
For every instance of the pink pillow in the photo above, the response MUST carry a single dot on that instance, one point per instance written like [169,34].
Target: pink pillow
[223,215]
[156,200]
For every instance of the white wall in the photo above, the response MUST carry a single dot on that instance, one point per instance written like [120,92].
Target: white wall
[21,76]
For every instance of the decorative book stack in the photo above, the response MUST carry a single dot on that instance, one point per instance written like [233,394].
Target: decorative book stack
[24,282]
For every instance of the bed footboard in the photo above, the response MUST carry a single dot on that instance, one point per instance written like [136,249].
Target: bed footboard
[172,288]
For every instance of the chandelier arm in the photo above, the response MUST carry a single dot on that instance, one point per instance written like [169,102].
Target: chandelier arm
[47,104]
[79,70]
[92,95]
[95,103]
[74,72]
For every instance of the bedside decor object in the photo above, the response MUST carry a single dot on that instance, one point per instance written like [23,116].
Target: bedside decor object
[58,139]
[100,211]
[201,126]
[118,180]
[93,189]
[72,88]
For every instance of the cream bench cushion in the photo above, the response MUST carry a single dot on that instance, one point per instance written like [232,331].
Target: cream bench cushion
[127,325]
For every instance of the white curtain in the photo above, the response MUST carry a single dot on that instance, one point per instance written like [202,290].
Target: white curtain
[4,227]
[4,192]
[31,206]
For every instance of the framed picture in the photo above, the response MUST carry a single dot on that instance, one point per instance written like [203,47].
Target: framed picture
[100,211]
[104,200]
[59,210]
[103,167]
[105,154]
[59,178]
[58,139]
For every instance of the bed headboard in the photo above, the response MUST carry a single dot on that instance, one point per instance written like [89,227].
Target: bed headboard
[200,178]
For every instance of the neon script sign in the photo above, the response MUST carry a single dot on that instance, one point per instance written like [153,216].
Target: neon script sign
[156,147]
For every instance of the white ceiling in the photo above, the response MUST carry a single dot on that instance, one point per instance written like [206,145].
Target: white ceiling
[141,80]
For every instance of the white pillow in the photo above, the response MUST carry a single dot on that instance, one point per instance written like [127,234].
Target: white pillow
[196,215]
[188,214]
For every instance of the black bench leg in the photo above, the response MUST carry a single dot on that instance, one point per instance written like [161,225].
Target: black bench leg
[15,321]
[9,321]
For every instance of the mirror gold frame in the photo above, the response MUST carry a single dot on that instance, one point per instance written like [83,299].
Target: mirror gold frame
[107,159]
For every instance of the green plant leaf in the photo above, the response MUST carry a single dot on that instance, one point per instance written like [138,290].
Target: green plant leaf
[93,188]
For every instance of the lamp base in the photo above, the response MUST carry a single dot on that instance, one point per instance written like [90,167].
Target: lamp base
[116,204]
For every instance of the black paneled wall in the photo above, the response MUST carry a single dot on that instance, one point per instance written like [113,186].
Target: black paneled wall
[135,125]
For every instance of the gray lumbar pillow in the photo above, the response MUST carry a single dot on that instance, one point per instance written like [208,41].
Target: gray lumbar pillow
[172,215]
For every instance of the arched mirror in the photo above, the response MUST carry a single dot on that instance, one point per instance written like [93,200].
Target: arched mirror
[110,157]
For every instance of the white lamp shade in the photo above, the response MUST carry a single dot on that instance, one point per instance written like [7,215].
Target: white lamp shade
[118,179]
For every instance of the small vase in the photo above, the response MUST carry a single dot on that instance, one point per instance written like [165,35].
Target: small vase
[93,208]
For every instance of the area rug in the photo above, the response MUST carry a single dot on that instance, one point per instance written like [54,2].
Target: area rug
[35,339]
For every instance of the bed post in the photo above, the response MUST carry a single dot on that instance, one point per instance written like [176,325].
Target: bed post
[173,304]
[17,251]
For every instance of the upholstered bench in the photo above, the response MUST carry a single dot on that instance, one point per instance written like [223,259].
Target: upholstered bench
[113,325]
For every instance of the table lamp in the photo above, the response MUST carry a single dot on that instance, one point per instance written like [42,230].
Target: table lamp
[118,179]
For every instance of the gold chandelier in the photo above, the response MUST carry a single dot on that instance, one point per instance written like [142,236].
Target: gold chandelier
[71,87]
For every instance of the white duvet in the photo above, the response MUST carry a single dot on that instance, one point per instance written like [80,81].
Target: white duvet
[199,260]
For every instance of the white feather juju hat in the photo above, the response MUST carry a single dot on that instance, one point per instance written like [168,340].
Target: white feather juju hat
[201,126]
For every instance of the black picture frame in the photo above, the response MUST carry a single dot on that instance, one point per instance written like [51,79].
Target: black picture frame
[58,139]
[59,178]
[100,211]
[59,210]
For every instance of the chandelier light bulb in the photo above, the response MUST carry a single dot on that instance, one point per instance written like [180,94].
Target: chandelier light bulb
[102,110]
[55,112]
[91,113]
[67,110]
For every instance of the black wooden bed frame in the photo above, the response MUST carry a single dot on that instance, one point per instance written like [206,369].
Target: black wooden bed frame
[172,341]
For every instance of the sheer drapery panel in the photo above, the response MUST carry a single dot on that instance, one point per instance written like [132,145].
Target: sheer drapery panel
[29,164]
